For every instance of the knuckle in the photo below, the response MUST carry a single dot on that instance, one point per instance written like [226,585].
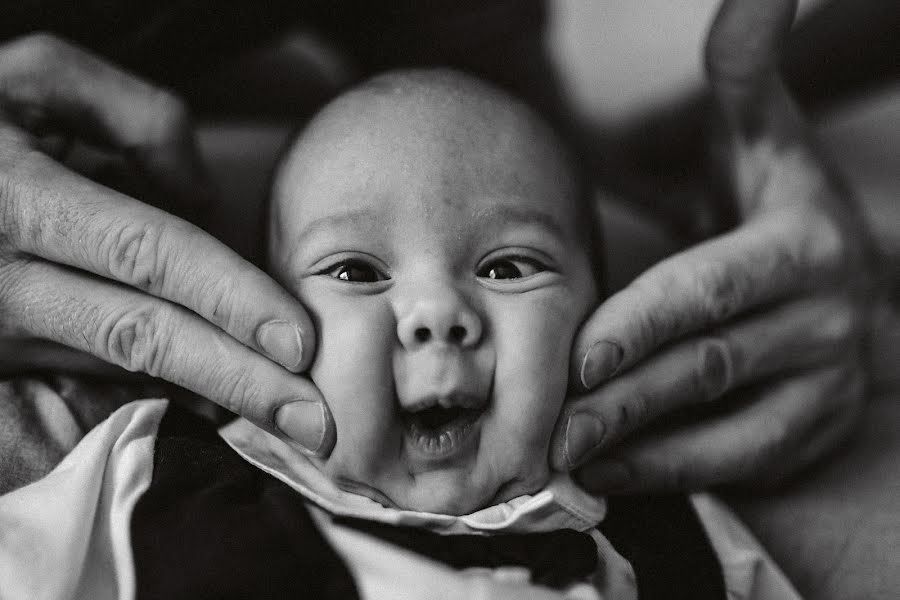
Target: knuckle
[839,327]
[8,191]
[134,253]
[169,118]
[35,50]
[238,391]
[12,273]
[655,326]
[714,369]
[719,289]
[216,300]
[137,339]
[19,170]
[826,246]
[32,62]
[43,42]
[782,264]
[633,412]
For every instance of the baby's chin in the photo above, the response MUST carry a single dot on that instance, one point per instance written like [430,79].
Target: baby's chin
[456,493]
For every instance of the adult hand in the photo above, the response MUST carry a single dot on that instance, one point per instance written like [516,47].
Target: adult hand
[757,334]
[100,272]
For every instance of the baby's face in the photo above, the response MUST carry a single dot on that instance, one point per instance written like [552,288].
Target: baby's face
[435,241]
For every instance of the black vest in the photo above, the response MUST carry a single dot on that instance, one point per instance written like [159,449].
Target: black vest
[212,526]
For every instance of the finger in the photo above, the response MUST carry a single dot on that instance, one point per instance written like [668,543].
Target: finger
[141,333]
[743,46]
[98,230]
[765,148]
[787,428]
[45,79]
[696,371]
[778,255]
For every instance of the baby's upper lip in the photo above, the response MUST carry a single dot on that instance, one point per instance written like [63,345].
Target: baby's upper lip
[444,399]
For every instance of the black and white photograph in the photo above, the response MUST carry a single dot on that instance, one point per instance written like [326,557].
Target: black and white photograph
[450,300]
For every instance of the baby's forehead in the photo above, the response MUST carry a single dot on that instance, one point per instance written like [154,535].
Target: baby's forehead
[436,112]
[426,139]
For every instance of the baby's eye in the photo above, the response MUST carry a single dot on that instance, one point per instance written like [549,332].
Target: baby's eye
[355,271]
[510,268]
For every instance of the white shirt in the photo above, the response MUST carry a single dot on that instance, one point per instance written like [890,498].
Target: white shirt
[68,535]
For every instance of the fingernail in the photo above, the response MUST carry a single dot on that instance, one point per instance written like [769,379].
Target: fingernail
[584,432]
[304,422]
[601,361]
[282,342]
[605,476]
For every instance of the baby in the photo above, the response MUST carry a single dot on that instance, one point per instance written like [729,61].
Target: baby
[442,237]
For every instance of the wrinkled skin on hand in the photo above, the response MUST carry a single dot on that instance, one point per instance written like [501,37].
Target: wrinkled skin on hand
[86,271]
[739,360]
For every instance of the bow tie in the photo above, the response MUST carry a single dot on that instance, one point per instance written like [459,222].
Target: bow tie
[554,558]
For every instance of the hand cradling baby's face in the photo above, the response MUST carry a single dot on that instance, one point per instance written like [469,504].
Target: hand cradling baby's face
[430,225]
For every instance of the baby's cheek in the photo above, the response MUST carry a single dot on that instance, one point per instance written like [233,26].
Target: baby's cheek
[537,339]
[533,346]
[353,371]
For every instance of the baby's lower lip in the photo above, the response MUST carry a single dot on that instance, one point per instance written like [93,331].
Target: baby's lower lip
[443,442]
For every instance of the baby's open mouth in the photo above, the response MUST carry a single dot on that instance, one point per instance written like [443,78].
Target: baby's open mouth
[440,431]
[438,416]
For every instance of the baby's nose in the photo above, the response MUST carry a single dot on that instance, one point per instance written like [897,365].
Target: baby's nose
[439,318]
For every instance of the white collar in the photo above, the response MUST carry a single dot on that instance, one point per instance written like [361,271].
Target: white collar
[561,504]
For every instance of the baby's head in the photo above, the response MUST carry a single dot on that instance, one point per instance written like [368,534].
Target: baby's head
[439,233]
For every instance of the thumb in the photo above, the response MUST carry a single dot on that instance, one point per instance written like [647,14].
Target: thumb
[742,50]
[763,142]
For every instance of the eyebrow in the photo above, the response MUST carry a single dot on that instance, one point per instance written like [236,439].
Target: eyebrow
[505,213]
[497,213]
[355,218]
